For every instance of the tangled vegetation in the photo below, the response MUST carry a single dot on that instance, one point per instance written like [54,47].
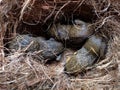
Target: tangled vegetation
[20,71]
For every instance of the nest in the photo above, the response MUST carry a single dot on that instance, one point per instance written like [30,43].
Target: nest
[21,71]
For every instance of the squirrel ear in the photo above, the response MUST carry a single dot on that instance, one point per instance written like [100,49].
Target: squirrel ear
[79,22]
[52,39]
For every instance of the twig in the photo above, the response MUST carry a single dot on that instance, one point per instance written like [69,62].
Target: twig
[25,4]
[50,14]
[46,74]
[28,46]
[81,2]
[103,22]
[105,9]
[29,63]
[61,9]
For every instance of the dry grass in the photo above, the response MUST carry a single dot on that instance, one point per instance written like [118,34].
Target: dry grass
[20,71]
